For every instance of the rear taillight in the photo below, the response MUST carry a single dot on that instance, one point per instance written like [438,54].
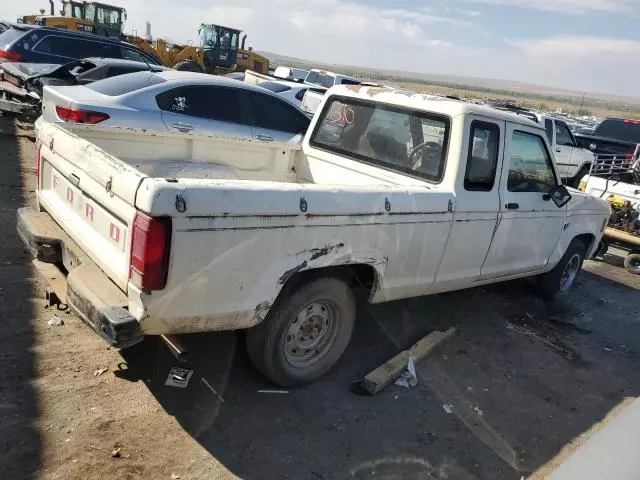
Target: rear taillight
[150,247]
[9,56]
[38,159]
[80,116]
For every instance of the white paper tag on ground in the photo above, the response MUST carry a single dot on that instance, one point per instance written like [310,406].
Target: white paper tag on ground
[178,377]
[408,379]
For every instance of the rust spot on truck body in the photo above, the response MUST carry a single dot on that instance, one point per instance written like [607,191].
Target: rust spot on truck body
[321,252]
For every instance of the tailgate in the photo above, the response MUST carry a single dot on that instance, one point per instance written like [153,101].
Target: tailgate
[91,195]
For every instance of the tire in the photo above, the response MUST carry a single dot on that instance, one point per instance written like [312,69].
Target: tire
[305,332]
[188,66]
[632,263]
[558,282]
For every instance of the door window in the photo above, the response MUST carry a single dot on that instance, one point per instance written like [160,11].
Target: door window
[274,114]
[482,159]
[214,103]
[530,168]
[563,135]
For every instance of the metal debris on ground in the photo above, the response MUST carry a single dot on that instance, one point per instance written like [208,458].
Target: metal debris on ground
[99,372]
[175,476]
[448,408]
[116,453]
[478,411]
[273,391]
[386,373]
[408,379]
[178,377]
[55,321]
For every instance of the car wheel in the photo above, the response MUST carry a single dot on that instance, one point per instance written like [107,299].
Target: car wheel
[188,66]
[558,282]
[305,333]
[632,263]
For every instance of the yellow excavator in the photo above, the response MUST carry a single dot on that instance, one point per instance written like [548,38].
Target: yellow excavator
[221,49]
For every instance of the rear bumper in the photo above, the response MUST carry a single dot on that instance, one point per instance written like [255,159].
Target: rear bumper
[18,104]
[74,277]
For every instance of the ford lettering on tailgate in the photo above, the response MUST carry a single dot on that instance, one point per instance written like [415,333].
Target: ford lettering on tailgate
[101,220]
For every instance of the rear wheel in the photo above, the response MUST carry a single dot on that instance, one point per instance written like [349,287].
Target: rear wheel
[632,263]
[558,282]
[305,332]
[188,66]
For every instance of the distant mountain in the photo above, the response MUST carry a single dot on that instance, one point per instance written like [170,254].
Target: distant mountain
[454,81]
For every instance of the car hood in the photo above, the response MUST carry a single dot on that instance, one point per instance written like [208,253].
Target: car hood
[28,71]
[581,201]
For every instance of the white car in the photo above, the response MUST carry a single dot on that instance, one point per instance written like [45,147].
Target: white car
[290,73]
[293,92]
[174,101]
[391,195]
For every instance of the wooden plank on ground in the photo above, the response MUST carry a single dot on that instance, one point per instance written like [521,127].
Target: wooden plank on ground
[386,373]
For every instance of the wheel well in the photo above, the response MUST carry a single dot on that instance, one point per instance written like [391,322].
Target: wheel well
[361,277]
[587,240]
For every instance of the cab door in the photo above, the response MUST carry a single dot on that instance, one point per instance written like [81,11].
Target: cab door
[564,145]
[529,223]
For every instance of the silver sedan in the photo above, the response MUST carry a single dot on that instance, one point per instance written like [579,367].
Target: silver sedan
[175,101]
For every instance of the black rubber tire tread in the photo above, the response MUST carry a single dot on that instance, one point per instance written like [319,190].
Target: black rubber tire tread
[549,283]
[631,260]
[188,66]
[265,342]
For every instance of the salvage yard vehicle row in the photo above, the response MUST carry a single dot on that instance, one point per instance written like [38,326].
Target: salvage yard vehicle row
[161,233]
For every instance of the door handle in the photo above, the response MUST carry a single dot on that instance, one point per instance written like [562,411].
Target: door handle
[183,127]
[559,150]
[264,138]
[512,206]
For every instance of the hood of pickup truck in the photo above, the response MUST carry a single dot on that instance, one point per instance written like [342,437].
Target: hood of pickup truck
[585,202]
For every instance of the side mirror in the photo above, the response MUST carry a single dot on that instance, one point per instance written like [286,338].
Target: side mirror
[560,196]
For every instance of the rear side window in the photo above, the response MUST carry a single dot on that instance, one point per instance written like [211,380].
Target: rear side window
[482,159]
[346,81]
[204,101]
[125,84]
[275,114]
[76,48]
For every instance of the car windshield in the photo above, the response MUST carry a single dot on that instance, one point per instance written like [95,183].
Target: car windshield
[395,138]
[323,79]
[274,87]
[123,84]
[624,130]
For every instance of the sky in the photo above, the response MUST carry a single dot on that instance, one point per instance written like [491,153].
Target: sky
[587,45]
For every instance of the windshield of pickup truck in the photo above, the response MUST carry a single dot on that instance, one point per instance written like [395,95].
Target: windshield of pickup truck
[392,137]
[619,129]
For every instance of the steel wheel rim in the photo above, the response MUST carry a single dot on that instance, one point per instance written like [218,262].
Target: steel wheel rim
[635,265]
[570,272]
[311,334]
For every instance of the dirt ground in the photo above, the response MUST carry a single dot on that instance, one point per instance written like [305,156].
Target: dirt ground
[524,380]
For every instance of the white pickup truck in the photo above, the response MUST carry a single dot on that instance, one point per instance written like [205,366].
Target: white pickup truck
[390,196]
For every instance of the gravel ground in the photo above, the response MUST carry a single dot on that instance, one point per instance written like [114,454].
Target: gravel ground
[526,381]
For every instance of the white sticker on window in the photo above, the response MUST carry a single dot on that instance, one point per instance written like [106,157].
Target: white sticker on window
[179,104]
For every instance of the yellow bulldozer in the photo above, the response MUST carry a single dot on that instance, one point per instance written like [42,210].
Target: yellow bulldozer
[221,49]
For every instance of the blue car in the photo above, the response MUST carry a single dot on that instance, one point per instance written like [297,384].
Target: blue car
[39,44]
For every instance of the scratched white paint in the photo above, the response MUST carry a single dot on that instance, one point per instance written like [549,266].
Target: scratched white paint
[257,213]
